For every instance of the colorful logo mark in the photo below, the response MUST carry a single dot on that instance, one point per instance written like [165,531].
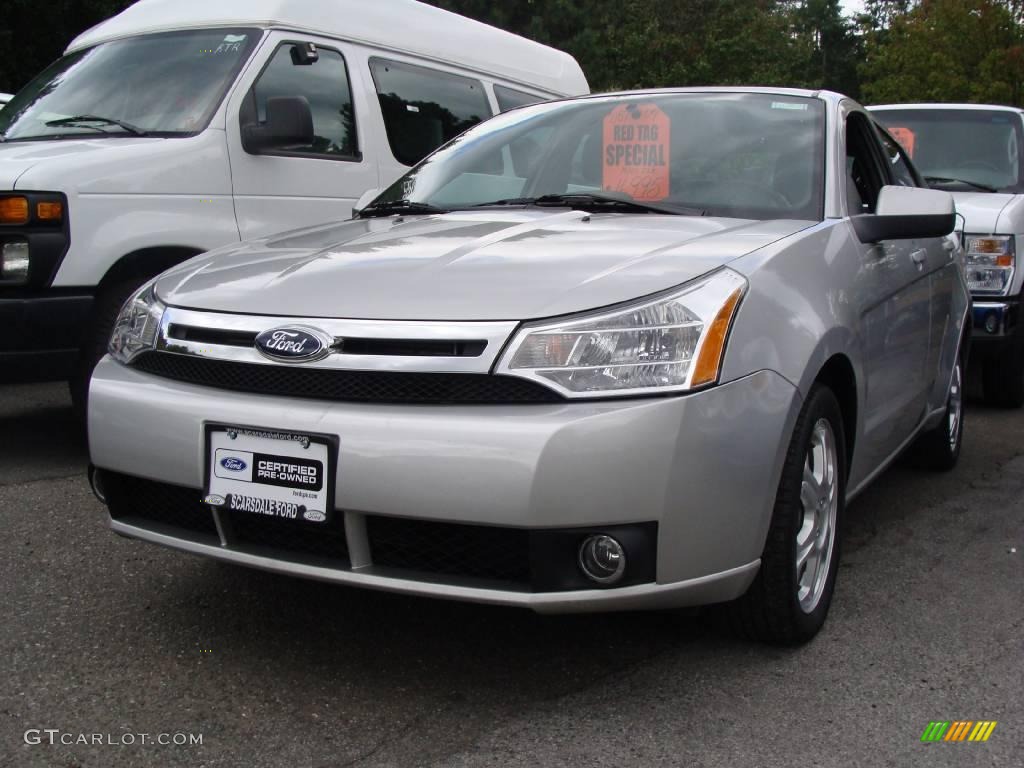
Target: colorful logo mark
[958,730]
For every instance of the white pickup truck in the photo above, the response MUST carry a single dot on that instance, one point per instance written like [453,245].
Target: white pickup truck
[976,151]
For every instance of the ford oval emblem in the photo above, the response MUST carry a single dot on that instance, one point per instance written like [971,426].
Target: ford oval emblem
[294,344]
[314,515]
[233,464]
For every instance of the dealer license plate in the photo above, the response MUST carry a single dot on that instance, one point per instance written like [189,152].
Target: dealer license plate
[272,474]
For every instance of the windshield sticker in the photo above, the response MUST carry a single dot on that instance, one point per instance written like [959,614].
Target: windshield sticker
[230,44]
[800,106]
[905,137]
[637,147]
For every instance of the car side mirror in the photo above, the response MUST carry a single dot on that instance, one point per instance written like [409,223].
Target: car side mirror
[907,213]
[289,123]
[364,200]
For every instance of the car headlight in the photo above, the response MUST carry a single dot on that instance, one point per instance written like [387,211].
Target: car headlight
[671,343]
[990,262]
[138,325]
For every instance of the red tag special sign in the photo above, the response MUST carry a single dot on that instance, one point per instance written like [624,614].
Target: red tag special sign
[636,151]
[905,137]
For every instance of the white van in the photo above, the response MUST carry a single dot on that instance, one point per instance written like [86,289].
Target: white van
[180,126]
[976,151]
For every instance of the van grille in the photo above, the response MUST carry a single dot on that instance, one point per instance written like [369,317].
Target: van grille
[348,386]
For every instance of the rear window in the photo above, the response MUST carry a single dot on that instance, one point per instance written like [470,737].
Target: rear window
[509,98]
[424,108]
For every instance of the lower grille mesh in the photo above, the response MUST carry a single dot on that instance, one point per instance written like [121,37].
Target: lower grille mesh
[351,386]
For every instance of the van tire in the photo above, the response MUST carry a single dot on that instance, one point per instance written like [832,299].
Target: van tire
[94,341]
[1003,379]
[771,611]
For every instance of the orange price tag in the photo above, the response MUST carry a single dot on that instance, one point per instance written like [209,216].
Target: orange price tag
[905,137]
[637,149]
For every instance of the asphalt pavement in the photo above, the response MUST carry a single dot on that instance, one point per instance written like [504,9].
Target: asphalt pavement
[106,639]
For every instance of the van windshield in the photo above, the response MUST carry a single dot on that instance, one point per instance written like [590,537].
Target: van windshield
[969,150]
[166,84]
[743,155]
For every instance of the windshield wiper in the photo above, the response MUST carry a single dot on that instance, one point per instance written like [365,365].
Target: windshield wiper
[948,180]
[71,121]
[590,201]
[400,207]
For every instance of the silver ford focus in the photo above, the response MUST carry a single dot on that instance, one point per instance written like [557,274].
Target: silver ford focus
[624,351]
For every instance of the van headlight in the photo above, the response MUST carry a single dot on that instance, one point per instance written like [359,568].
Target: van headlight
[990,262]
[672,343]
[138,326]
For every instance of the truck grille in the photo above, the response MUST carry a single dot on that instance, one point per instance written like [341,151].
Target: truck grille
[346,386]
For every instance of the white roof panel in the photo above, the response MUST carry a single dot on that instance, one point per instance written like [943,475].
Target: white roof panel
[399,25]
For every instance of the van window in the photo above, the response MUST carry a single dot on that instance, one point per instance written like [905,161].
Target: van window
[424,108]
[509,98]
[325,85]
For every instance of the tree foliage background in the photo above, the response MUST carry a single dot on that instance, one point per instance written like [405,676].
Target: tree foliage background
[896,50]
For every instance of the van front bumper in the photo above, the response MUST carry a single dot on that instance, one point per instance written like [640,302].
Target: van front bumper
[698,473]
[40,335]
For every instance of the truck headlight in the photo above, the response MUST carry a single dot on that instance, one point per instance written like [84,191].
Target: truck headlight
[990,262]
[671,343]
[138,326]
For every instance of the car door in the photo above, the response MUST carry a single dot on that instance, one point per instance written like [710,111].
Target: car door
[278,190]
[940,263]
[893,294]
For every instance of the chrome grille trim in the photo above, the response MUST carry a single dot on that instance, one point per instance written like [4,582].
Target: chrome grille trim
[494,334]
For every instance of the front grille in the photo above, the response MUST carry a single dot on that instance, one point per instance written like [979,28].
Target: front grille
[450,548]
[349,386]
[169,505]
[317,539]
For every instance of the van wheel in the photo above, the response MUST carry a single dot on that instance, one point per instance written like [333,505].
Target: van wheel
[790,596]
[939,448]
[94,341]
[1003,379]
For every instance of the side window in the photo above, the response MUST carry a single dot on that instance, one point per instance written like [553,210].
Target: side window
[864,175]
[898,167]
[324,83]
[509,98]
[424,108]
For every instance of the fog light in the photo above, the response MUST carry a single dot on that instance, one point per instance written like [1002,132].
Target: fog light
[991,322]
[602,559]
[14,261]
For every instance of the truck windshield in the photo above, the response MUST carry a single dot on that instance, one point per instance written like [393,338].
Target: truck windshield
[742,155]
[166,84]
[973,150]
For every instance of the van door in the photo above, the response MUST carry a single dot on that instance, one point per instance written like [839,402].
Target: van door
[894,298]
[277,190]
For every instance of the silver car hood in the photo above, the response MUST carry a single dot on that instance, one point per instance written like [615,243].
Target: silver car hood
[486,265]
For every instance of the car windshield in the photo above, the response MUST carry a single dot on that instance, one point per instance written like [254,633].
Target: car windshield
[166,84]
[744,155]
[961,149]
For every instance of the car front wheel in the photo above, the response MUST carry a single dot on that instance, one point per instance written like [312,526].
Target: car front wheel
[790,596]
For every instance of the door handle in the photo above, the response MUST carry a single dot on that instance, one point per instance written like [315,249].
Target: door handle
[918,257]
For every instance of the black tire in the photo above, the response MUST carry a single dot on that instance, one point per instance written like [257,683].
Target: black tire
[771,610]
[95,339]
[938,449]
[1003,378]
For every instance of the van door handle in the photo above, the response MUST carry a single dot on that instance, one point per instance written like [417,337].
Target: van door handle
[918,257]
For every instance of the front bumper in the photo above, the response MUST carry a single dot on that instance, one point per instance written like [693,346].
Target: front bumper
[704,468]
[41,334]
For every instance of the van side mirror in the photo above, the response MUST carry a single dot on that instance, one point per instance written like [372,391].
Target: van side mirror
[289,124]
[364,200]
[906,213]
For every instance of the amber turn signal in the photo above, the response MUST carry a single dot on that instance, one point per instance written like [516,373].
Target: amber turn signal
[710,358]
[53,211]
[13,210]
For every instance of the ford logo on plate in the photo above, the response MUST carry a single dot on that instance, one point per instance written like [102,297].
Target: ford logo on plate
[233,464]
[294,344]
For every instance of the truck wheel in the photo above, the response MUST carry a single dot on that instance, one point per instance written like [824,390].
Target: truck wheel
[1003,379]
[790,596]
[95,339]
[939,448]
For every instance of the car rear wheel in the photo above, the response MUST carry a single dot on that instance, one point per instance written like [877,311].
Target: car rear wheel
[1003,379]
[790,596]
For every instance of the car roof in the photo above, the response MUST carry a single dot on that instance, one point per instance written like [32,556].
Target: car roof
[403,26]
[830,97]
[985,107]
